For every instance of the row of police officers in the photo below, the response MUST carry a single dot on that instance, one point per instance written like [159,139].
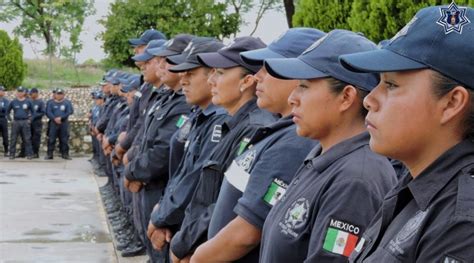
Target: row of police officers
[25,112]
[319,147]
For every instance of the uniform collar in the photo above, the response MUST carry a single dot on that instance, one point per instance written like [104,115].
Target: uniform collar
[427,185]
[321,162]
[241,113]
[211,109]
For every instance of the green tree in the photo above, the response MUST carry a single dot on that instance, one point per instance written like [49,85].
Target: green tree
[12,67]
[129,18]
[325,15]
[382,19]
[49,20]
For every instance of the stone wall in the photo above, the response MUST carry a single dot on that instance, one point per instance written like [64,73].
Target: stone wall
[79,139]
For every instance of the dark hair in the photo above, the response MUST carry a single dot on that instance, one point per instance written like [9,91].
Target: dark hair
[442,86]
[246,71]
[337,86]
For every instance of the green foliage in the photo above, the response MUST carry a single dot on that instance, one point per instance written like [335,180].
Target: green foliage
[129,18]
[50,20]
[325,15]
[12,68]
[377,19]
[382,19]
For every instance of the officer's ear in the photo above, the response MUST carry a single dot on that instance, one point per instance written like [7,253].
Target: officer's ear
[348,97]
[248,82]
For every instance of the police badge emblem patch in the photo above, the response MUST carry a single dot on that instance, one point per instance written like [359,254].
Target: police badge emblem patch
[453,18]
[295,217]
[25,106]
[62,108]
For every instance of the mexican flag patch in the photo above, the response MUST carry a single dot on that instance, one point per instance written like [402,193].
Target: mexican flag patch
[341,237]
[275,192]
[243,145]
[182,119]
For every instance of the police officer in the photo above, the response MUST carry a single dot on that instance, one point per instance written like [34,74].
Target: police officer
[98,97]
[421,113]
[259,176]
[202,133]
[36,120]
[58,112]
[22,111]
[334,195]
[233,89]
[4,102]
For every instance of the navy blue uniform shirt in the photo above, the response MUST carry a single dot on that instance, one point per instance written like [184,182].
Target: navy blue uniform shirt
[39,109]
[328,204]
[206,132]
[106,113]
[62,109]
[4,102]
[429,218]
[236,133]
[258,178]
[21,109]
[151,164]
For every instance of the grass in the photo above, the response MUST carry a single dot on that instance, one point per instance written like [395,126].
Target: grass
[63,74]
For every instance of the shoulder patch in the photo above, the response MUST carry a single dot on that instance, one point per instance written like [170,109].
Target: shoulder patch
[182,119]
[275,191]
[341,237]
[243,145]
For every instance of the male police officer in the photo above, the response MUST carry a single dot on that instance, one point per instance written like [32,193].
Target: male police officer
[36,120]
[4,102]
[22,110]
[58,112]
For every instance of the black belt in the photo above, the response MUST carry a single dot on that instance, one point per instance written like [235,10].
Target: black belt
[20,119]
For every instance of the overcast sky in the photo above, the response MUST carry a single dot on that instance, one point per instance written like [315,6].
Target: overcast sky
[271,26]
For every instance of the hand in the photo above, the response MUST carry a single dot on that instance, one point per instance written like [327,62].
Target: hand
[175,259]
[135,186]
[119,151]
[158,236]
[108,150]
[122,136]
[57,120]
[99,136]
[125,159]
[115,159]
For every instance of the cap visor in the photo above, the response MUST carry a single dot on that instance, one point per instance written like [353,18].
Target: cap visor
[381,60]
[256,57]
[142,57]
[215,60]
[184,67]
[176,60]
[136,42]
[162,52]
[292,68]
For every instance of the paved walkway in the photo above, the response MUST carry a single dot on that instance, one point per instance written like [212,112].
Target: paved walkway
[50,211]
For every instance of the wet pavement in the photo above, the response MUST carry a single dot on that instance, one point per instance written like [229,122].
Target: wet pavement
[50,211]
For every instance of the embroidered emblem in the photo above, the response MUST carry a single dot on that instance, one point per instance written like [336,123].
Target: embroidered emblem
[216,133]
[275,192]
[404,30]
[295,217]
[246,161]
[453,18]
[409,230]
[341,237]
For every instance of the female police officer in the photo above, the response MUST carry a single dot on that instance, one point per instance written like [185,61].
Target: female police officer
[422,113]
[342,183]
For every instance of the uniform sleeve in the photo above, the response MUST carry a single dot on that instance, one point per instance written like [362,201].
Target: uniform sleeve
[49,111]
[133,132]
[104,118]
[272,172]
[173,204]
[70,109]
[41,110]
[344,211]
[152,164]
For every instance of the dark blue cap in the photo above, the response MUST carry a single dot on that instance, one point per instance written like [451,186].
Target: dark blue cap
[172,47]
[59,91]
[229,56]
[34,90]
[188,59]
[133,83]
[21,89]
[98,95]
[438,37]
[146,55]
[320,60]
[146,37]
[108,77]
[290,44]
[117,76]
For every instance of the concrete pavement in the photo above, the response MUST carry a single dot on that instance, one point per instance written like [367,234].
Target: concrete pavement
[50,211]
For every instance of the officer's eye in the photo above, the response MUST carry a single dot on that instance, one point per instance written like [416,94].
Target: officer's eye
[219,72]
[390,85]
[302,86]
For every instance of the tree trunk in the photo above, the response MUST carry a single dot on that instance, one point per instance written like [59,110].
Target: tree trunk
[290,11]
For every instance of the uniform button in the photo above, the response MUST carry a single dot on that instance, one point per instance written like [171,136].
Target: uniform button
[295,182]
[309,165]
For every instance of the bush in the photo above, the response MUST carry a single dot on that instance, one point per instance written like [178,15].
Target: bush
[12,67]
